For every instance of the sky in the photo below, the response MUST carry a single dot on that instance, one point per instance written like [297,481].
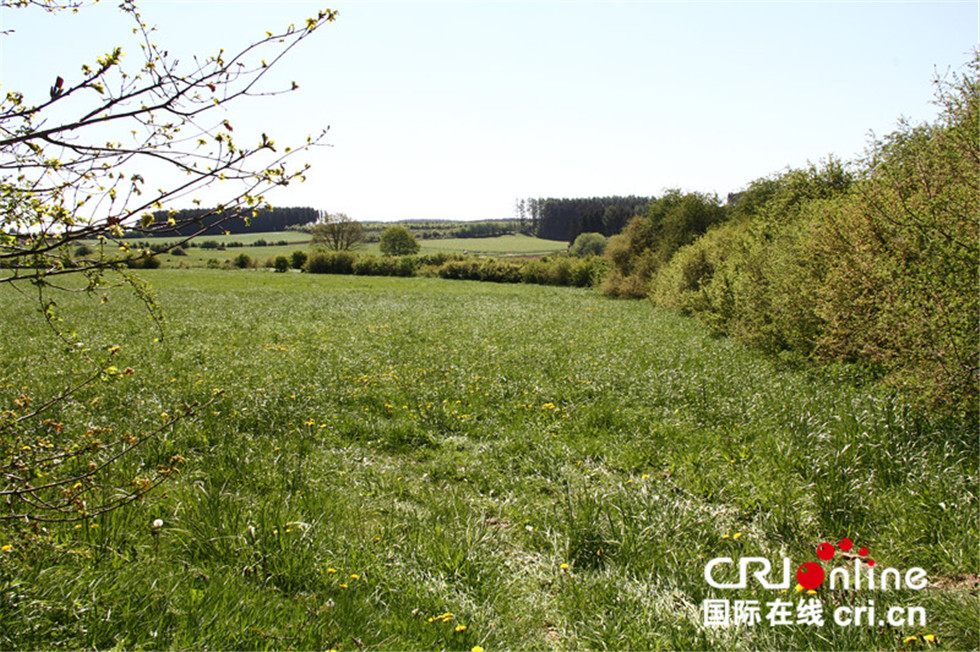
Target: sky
[453,110]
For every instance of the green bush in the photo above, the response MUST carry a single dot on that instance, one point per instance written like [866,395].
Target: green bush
[144,262]
[330,262]
[499,271]
[588,244]
[460,270]
[281,264]
[242,261]
[398,241]
[874,263]
[298,259]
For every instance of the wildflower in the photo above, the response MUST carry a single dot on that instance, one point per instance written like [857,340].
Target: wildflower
[460,628]
[331,570]
[909,639]
[726,536]
[799,587]
[930,637]
[354,576]
[477,648]
[157,523]
[343,586]
[6,547]
[736,535]
[564,566]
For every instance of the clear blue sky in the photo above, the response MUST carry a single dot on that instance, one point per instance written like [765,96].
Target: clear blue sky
[454,110]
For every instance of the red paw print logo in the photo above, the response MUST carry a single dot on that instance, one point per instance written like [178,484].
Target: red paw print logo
[811,575]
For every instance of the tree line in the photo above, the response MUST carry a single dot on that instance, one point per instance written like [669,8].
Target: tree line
[565,219]
[872,262]
[210,221]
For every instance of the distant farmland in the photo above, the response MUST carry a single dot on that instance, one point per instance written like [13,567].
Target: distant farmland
[198,256]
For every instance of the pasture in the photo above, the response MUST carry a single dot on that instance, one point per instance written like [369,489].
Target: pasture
[500,246]
[414,463]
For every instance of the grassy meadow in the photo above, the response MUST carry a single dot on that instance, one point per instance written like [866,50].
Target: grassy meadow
[414,463]
[500,246]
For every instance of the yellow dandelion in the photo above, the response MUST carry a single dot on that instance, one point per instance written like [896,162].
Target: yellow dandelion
[811,592]
[355,576]
[343,586]
[799,587]
[477,648]
[737,535]
[6,547]
[460,628]
[930,637]
[726,536]
[909,639]
[564,566]
[331,570]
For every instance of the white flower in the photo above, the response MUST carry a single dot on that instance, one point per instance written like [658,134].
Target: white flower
[157,523]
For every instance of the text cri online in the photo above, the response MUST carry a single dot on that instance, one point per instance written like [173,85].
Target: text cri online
[894,616]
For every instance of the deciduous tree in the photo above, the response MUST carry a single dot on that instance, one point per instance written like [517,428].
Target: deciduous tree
[79,165]
[338,232]
[398,241]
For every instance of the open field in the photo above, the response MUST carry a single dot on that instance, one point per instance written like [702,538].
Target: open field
[427,464]
[502,246]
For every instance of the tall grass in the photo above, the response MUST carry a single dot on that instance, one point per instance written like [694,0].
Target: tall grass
[426,464]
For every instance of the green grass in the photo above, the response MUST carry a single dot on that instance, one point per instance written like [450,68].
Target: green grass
[453,444]
[502,246]
[505,245]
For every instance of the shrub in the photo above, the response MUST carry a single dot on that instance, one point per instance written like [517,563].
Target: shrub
[281,264]
[499,271]
[298,259]
[460,269]
[144,262]
[242,261]
[588,244]
[330,262]
[406,266]
[439,258]
[398,241]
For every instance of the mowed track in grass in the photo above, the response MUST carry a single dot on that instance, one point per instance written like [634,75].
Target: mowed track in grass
[429,464]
